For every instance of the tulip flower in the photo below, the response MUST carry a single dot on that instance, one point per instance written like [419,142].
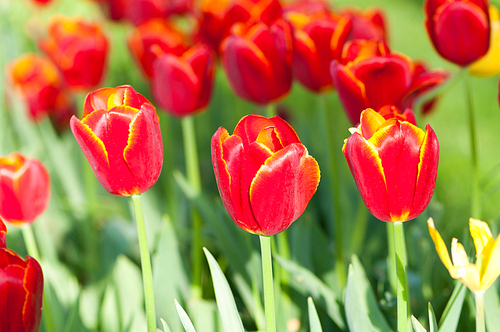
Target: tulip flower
[3,231]
[489,65]
[79,49]
[458,29]
[370,76]
[157,32]
[257,59]
[120,136]
[394,165]
[477,277]
[264,174]
[24,188]
[218,16]
[21,286]
[182,85]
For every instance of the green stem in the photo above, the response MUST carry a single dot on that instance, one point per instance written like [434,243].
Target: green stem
[267,273]
[402,284]
[476,203]
[193,175]
[147,275]
[328,121]
[271,110]
[32,248]
[479,311]
[391,257]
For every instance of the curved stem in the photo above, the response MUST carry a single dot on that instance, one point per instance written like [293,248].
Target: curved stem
[267,273]
[147,275]
[402,283]
[479,296]
[476,203]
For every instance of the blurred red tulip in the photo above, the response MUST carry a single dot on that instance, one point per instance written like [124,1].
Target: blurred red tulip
[394,164]
[258,60]
[3,235]
[218,16]
[182,85]
[313,47]
[459,29]
[264,174]
[24,188]
[120,136]
[79,49]
[155,32]
[21,286]
[372,77]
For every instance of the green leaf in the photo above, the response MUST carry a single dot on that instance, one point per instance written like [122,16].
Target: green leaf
[314,323]
[165,325]
[225,300]
[186,322]
[362,310]
[309,284]
[433,326]
[417,327]
[451,313]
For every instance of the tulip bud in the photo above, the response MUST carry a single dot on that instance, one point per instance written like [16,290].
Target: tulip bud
[24,188]
[120,136]
[79,49]
[459,29]
[21,287]
[258,60]
[394,165]
[264,174]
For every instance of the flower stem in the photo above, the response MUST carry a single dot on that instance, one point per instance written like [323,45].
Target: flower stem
[402,283]
[476,203]
[267,272]
[271,110]
[391,257]
[32,249]
[479,296]
[193,176]
[147,275]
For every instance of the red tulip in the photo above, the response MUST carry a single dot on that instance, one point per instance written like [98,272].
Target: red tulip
[24,188]
[258,61]
[264,174]
[3,238]
[157,32]
[459,29]
[313,48]
[182,85]
[394,165]
[372,77]
[21,286]
[79,49]
[120,136]
[218,16]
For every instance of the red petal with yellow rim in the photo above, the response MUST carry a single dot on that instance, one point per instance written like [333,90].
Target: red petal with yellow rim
[3,234]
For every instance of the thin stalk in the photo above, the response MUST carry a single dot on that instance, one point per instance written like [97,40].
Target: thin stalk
[193,175]
[402,284]
[391,257]
[267,273]
[479,296]
[475,203]
[270,110]
[328,122]
[32,248]
[147,275]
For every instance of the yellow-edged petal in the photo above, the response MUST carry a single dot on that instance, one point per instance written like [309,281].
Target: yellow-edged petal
[439,243]
[489,64]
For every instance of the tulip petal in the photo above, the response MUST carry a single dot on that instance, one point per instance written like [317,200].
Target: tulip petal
[92,146]
[458,254]
[282,188]
[33,284]
[481,234]
[3,231]
[439,244]
[370,122]
[9,201]
[469,275]
[284,131]
[144,149]
[250,126]
[366,168]
[491,264]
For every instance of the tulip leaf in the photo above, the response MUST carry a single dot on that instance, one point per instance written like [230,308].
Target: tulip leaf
[362,310]
[314,322]
[451,313]
[183,316]
[433,325]
[165,325]
[310,284]
[225,300]
[492,308]
[417,327]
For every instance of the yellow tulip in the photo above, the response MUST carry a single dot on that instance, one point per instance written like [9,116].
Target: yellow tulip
[489,64]
[479,276]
